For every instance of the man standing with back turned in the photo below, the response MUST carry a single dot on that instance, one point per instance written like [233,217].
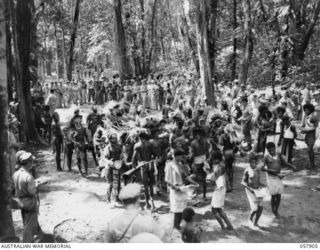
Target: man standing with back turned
[26,193]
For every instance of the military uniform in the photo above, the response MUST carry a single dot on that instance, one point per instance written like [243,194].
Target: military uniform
[26,193]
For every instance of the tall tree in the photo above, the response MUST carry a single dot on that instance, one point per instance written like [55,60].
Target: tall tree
[120,41]
[301,46]
[212,32]
[143,37]
[73,37]
[6,225]
[22,32]
[234,42]
[247,54]
[152,36]
[185,32]
[203,50]
[57,42]
[9,52]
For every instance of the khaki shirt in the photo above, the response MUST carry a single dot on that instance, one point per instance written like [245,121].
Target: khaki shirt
[24,184]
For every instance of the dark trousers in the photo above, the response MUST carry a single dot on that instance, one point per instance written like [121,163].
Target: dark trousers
[30,225]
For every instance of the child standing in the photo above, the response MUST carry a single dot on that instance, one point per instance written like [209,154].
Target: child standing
[188,232]
[252,182]
[219,192]
[272,165]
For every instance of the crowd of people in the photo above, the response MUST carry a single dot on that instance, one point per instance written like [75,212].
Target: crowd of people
[160,132]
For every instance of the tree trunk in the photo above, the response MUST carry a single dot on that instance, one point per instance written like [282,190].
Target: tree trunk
[248,42]
[143,38]
[33,45]
[203,51]
[57,52]
[163,47]
[184,28]
[64,57]
[48,63]
[212,32]
[9,54]
[22,32]
[152,36]
[73,38]
[6,225]
[234,42]
[120,41]
[135,57]
[300,49]
[264,14]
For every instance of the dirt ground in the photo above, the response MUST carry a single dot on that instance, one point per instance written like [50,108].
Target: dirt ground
[67,196]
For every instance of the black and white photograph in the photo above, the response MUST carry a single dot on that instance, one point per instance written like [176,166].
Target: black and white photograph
[159,121]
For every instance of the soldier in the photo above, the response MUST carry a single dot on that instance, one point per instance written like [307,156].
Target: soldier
[26,196]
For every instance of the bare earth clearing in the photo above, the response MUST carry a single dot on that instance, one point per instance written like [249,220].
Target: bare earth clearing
[66,196]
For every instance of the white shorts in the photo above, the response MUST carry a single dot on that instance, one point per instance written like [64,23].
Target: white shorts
[274,184]
[254,201]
